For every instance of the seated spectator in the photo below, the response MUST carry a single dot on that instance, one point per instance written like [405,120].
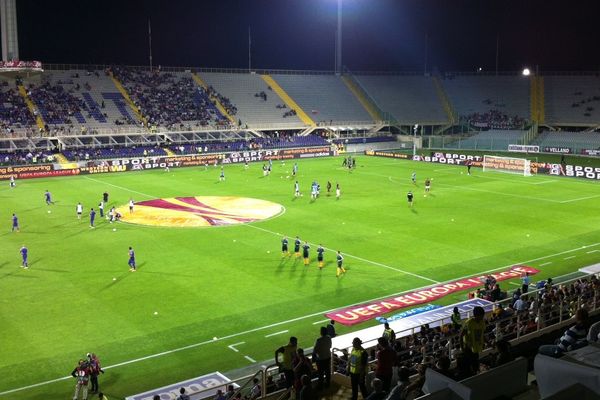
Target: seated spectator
[572,339]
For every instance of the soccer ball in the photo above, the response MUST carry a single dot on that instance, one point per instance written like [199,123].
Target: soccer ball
[114,229]
[49,211]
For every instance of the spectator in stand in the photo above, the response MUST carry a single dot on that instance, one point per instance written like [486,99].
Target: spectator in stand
[183,395]
[456,320]
[255,391]
[302,366]
[286,365]
[386,360]
[220,395]
[322,357]
[331,329]
[230,392]
[399,391]
[472,338]
[306,392]
[378,392]
[572,339]
[357,368]
[525,281]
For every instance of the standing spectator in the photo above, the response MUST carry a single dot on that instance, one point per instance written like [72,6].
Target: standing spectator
[525,281]
[289,353]
[572,339]
[357,367]
[472,338]
[82,374]
[183,395]
[331,329]
[255,391]
[386,359]
[322,356]
[456,320]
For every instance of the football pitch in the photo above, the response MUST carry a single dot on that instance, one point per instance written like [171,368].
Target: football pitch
[156,326]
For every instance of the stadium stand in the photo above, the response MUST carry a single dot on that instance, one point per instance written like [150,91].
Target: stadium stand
[501,102]
[573,140]
[81,100]
[409,99]
[115,152]
[492,139]
[15,117]
[325,98]
[245,91]
[572,99]
[171,99]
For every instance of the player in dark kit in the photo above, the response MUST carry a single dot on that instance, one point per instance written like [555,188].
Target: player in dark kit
[284,247]
[468,163]
[328,188]
[15,223]
[92,217]
[105,197]
[409,197]
[320,251]
[305,254]
[427,186]
[24,252]
[297,244]
[48,197]
[131,261]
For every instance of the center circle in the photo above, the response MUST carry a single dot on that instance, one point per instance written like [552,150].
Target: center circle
[199,211]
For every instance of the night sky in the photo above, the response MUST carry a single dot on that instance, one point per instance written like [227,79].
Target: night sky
[379,35]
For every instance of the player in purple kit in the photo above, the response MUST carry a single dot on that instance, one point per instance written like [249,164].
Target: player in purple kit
[23,252]
[15,223]
[131,259]
[48,197]
[92,218]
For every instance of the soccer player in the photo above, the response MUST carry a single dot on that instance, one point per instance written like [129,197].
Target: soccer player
[313,191]
[246,164]
[24,251]
[409,197]
[222,175]
[92,218]
[295,169]
[131,261]
[48,197]
[15,223]
[101,208]
[105,197]
[79,210]
[340,264]
[12,182]
[297,244]
[320,251]
[414,178]
[284,247]
[305,254]
[131,203]
[264,168]
[345,162]
[296,189]
[468,163]
[328,188]
[338,192]
[427,186]
[111,214]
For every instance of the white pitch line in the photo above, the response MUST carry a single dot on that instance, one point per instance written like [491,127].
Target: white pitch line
[355,257]
[232,346]
[546,263]
[592,251]
[515,283]
[320,322]
[568,258]
[579,199]
[277,333]
[252,360]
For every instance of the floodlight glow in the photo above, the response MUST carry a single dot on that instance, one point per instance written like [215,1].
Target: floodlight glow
[526,72]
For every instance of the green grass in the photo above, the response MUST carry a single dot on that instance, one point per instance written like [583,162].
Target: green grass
[222,282]
[573,159]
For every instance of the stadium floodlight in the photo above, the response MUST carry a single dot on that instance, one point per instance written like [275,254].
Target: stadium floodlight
[526,72]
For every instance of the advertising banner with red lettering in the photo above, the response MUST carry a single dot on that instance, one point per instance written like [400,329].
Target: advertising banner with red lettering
[366,311]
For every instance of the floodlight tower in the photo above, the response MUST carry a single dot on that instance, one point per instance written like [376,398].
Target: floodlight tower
[338,39]
[8,22]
